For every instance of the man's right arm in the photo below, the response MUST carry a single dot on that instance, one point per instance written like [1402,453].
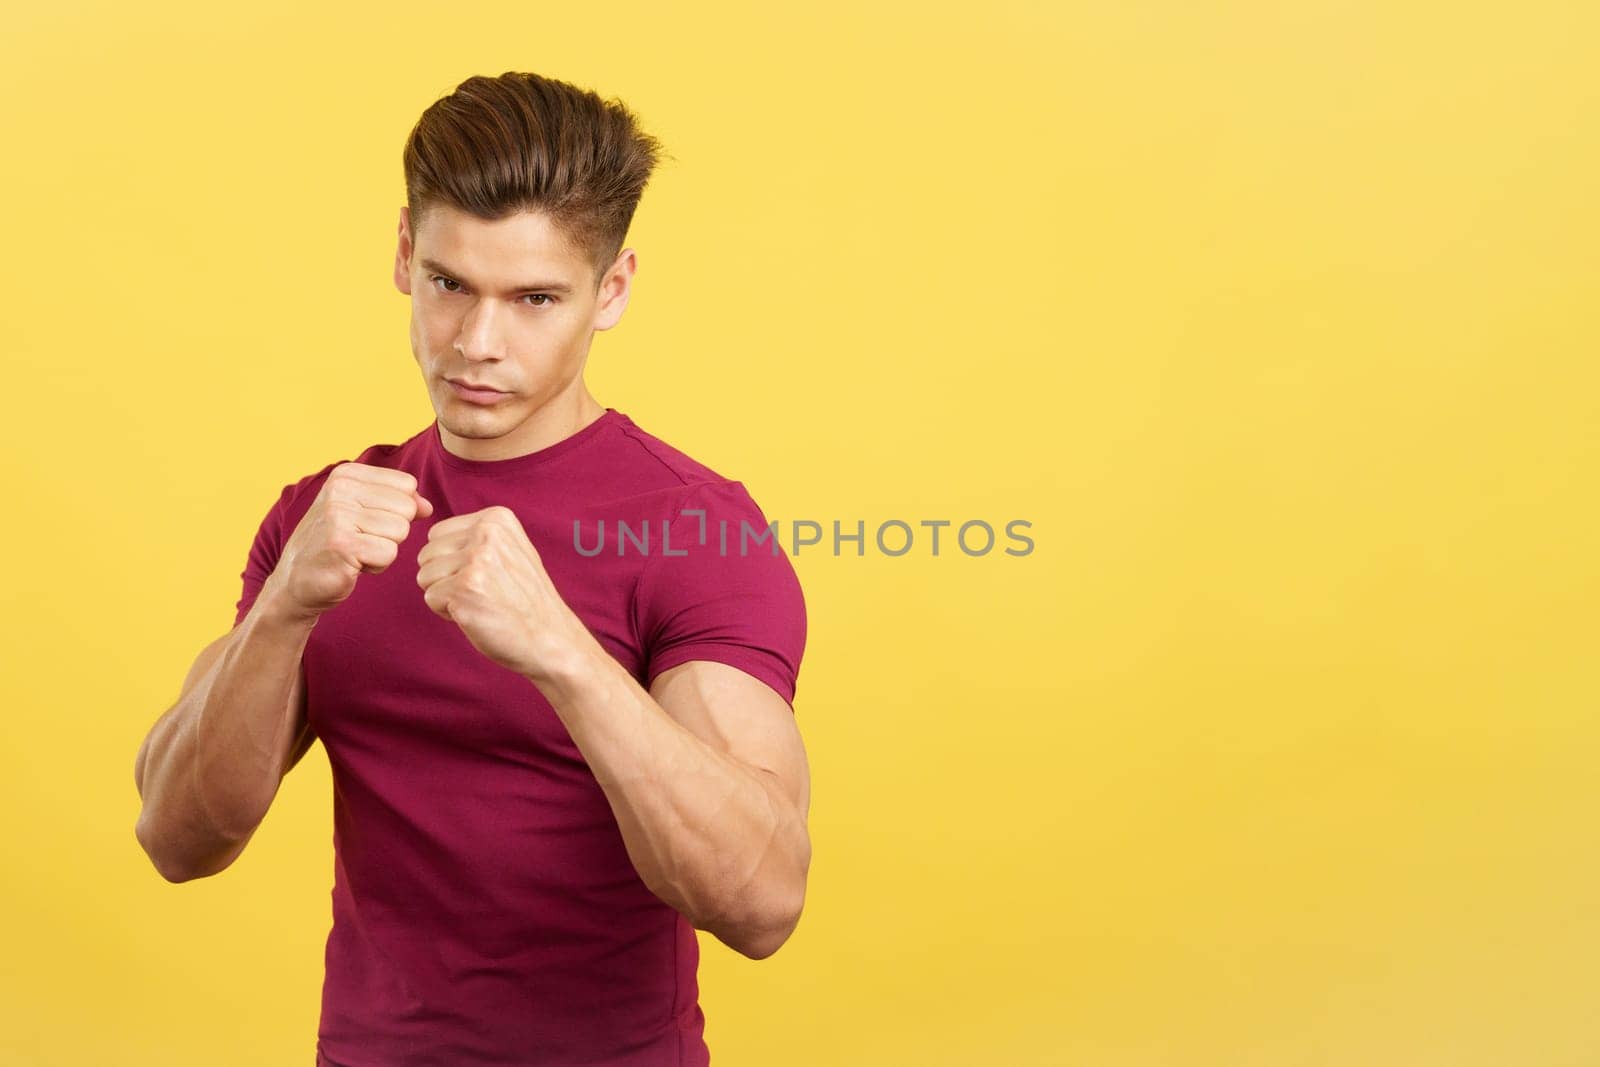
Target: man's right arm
[211,765]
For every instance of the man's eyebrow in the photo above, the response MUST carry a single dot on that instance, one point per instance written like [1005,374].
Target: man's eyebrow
[436,267]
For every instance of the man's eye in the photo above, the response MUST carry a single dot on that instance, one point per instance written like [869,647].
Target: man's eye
[441,280]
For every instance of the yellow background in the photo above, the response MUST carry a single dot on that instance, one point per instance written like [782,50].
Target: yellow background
[1277,321]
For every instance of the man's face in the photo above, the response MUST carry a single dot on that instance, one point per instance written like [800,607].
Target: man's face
[507,306]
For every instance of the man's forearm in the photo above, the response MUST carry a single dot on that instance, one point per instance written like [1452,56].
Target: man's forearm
[710,835]
[211,766]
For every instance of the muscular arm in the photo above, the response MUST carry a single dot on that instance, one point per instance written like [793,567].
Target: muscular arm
[707,777]
[211,765]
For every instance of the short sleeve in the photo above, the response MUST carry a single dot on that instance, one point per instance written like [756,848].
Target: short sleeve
[720,587]
[264,552]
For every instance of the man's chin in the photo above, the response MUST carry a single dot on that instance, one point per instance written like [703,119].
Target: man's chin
[475,429]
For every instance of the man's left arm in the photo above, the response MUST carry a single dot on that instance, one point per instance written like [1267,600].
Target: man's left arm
[705,772]
[707,776]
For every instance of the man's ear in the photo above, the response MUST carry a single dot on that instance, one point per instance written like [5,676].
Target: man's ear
[402,253]
[612,299]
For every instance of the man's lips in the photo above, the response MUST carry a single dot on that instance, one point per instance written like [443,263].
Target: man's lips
[474,387]
[476,394]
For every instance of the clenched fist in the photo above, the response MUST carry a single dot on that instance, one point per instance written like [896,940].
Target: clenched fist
[355,526]
[481,572]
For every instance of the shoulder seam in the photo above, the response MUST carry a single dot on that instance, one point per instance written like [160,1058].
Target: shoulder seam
[651,452]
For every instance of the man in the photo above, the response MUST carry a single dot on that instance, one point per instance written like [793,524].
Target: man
[549,656]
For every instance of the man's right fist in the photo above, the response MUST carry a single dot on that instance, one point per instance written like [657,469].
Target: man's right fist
[355,525]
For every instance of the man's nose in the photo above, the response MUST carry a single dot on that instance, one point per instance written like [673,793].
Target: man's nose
[480,336]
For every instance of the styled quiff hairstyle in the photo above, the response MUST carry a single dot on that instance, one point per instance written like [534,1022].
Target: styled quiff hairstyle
[522,142]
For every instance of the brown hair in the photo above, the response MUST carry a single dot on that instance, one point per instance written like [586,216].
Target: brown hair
[524,142]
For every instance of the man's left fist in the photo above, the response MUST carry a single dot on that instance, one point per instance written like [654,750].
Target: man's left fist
[481,572]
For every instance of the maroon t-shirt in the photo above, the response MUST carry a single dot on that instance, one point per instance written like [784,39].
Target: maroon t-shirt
[485,910]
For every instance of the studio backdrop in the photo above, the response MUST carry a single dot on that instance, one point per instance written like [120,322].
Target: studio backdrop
[1181,418]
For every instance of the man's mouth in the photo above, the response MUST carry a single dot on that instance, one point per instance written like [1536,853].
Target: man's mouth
[474,393]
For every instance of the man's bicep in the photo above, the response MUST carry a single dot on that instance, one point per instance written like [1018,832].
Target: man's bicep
[738,604]
[740,715]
